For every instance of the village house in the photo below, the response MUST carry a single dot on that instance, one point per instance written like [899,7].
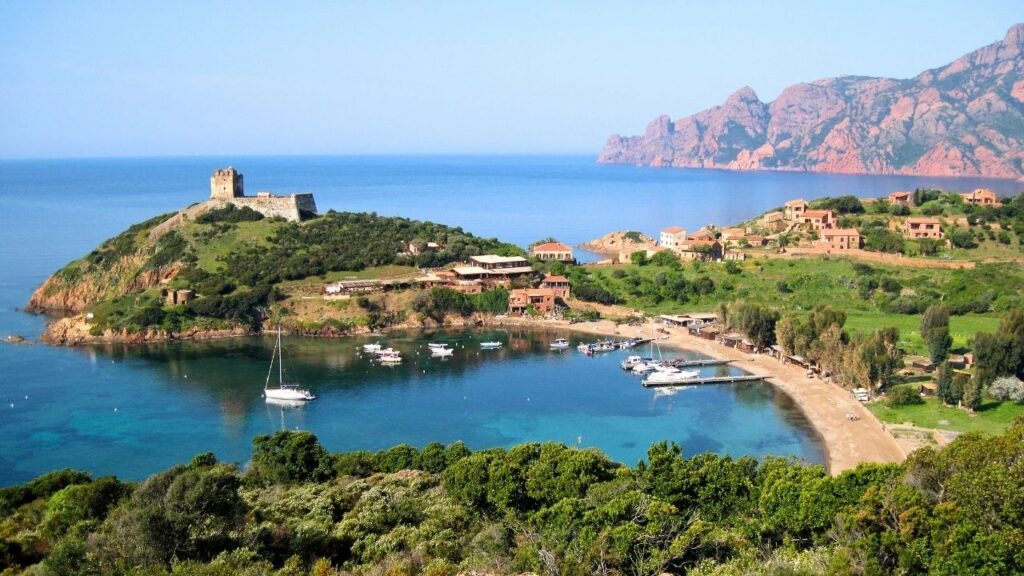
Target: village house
[416,248]
[840,238]
[901,199]
[732,235]
[468,279]
[922,227]
[671,237]
[795,210]
[982,197]
[705,233]
[774,221]
[521,300]
[819,219]
[346,288]
[754,240]
[700,249]
[558,284]
[553,251]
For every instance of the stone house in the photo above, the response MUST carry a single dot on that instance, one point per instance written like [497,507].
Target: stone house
[558,284]
[671,237]
[174,297]
[774,221]
[840,238]
[982,197]
[700,249]
[795,210]
[521,299]
[901,199]
[732,235]
[819,219]
[553,251]
[922,227]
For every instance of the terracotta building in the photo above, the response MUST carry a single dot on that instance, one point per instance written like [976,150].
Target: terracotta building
[553,251]
[901,199]
[558,284]
[920,227]
[982,197]
[521,299]
[840,238]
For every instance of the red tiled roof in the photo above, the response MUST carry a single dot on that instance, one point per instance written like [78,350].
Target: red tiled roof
[555,278]
[900,195]
[552,247]
[817,213]
[672,230]
[922,220]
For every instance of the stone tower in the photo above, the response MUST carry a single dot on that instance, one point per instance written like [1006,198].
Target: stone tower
[226,184]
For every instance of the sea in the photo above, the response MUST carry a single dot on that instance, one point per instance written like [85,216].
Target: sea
[132,411]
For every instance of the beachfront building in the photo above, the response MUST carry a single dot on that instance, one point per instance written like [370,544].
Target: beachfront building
[502,266]
[840,238]
[922,227]
[819,219]
[553,251]
[982,197]
[901,199]
[558,284]
[795,210]
[671,237]
[521,300]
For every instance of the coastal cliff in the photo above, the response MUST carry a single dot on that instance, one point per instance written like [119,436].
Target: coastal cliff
[962,119]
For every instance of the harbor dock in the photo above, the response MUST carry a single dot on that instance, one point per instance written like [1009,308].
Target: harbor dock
[710,380]
[680,363]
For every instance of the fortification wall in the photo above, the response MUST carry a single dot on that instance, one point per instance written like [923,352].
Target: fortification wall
[288,207]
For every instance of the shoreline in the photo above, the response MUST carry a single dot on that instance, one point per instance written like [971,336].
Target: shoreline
[846,443]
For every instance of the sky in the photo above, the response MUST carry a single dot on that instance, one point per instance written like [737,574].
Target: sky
[193,78]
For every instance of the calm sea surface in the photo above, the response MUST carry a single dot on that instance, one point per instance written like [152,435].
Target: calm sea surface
[134,411]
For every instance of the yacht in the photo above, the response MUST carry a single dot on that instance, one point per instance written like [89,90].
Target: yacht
[671,376]
[560,344]
[390,356]
[645,367]
[490,345]
[437,346]
[283,392]
[375,347]
[443,352]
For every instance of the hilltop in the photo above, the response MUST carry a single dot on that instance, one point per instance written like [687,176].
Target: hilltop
[963,119]
[215,270]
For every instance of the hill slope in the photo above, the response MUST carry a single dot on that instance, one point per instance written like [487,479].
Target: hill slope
[234,261]
[965,118]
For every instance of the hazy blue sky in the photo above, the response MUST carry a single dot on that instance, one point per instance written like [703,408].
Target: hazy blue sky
[191,78]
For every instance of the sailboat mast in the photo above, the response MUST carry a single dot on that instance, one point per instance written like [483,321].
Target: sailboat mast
[270,370]
[280,357]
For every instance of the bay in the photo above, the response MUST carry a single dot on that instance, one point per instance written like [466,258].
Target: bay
[64,399]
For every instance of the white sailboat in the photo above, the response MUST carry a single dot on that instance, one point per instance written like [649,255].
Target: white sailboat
[283,392]
[669,375]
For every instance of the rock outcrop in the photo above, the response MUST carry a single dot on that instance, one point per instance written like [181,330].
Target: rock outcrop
[619,242]
[963,119]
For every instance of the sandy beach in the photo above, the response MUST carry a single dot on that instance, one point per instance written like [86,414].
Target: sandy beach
[847,442]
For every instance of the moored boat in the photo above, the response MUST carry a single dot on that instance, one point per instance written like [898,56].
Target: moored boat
[490,345]
[375,347]
[284,392]
[559,344]
[671,376]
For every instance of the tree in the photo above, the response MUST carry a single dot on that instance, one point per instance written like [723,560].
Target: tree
[290,457]
[944,384]
[935,331]
[722,313]
[1007,388]
[639,258]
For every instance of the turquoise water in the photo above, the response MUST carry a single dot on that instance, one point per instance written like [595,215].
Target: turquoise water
[59,210]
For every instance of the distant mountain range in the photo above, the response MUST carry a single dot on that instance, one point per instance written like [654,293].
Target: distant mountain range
[963,119]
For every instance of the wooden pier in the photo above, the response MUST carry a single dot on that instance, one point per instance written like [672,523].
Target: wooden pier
[697,363]
[710,380]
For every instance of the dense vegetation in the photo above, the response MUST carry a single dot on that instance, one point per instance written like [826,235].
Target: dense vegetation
[543,508]
[233,258]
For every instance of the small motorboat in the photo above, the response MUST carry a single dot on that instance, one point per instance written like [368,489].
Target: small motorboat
[441,352]
[375,347]
[670,376]
[632,361]
[490,345]
[559,344]
[437,345]
[389,356]
[645,367]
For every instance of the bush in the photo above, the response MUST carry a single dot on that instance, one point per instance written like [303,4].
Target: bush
[1007,388]
[903,396]
[230,214]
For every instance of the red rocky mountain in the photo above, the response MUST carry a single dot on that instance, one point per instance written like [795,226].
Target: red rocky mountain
[963,119]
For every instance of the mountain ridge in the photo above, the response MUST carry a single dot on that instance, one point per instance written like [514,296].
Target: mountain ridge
[962,119]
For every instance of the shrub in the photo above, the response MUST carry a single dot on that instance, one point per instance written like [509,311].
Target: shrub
[231,214]
[903,396]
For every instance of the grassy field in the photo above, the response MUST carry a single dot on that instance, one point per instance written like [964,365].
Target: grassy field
[798,285]
[209,250]
[992,418]
[961,328]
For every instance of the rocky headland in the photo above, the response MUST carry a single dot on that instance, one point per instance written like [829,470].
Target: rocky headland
[963,119]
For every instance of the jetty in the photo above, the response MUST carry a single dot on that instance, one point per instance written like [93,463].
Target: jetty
[680,363]
[709,380]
